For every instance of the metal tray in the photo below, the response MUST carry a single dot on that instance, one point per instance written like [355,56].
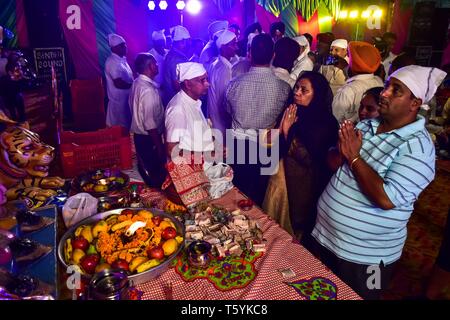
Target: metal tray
[134,278]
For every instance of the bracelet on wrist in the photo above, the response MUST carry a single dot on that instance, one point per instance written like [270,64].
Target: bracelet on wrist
[353,162]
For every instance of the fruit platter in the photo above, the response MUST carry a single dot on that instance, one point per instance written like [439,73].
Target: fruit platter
[101,182]
[142,242]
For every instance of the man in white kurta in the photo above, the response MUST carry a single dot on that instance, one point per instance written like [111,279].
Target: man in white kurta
[119,78]
[303,62]
[159,52]
[219,77]
[185,124]
[364,61]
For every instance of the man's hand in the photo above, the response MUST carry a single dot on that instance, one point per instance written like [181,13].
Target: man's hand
[350,141]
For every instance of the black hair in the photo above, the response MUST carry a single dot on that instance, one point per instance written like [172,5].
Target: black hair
[389,35]
[251,28]
[309,37]
[286,51]
[142,61]
[375,93]
[402,60]
[280,26]
[235,26]
[262,49]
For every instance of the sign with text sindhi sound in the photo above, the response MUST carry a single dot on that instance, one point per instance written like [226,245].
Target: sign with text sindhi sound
[45,58]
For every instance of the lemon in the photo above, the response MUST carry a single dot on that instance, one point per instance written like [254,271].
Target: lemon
[170,246]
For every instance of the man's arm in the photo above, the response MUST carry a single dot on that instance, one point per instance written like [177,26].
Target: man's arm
[156,139]
[371,184]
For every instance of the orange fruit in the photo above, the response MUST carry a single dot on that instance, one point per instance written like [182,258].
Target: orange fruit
[170,246]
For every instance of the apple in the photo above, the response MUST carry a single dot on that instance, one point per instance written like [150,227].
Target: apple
[80,243]
[120,264]
[169,233]
[89,262]
[155,253]
[156,220]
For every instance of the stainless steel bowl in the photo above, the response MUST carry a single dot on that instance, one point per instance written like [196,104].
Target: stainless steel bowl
[134,278]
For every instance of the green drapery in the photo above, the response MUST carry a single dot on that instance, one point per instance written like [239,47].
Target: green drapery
[305,7]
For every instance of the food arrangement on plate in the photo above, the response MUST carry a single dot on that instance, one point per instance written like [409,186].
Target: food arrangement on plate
[135,240]
[101,182]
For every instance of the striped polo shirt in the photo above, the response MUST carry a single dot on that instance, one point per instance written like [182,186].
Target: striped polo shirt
[348,223]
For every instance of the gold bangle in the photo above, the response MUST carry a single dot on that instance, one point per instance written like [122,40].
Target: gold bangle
[353,162]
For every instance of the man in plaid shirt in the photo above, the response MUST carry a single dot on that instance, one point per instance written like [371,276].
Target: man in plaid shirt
[254,101]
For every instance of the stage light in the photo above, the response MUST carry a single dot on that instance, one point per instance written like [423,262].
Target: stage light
[325,19]
[378,13]
[193,6]
[343,14]
[151,5]
[163,5]
[180,5]
[365,14]
[354,14]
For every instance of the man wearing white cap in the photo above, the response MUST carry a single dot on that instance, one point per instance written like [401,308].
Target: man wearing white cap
[220,76]
[186,126]
[363,213]
[210,51]
[178,54]
[303,62]
[159,52]
[119,79]
[338,48]
[337,72]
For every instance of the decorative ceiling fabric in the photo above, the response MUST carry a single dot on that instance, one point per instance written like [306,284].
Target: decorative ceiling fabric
[307,8]
[225,5]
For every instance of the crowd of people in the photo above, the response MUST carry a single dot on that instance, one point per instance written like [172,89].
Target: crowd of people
[343,123]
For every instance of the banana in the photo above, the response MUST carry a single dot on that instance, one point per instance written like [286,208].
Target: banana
[137,262]
[78,230]
[147,265]
[121,225]
[101,226]
[68,250]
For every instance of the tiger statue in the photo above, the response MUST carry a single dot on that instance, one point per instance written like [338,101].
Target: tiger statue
[24,163]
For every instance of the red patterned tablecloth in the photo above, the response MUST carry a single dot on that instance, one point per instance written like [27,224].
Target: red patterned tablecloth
[282,252]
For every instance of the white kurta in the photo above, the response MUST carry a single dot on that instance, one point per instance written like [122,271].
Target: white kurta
[302,64]
[118,110]
[348,98]
[160,60]
[284,75]
[186,125]
[219,77]
[147,111]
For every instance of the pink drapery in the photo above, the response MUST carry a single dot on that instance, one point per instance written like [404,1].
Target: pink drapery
[82,42]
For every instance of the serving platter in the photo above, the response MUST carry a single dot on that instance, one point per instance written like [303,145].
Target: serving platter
[134,278]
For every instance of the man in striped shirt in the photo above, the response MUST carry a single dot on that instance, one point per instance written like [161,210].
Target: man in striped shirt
[363,213]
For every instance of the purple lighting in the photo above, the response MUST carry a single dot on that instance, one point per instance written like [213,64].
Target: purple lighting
[193,6]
